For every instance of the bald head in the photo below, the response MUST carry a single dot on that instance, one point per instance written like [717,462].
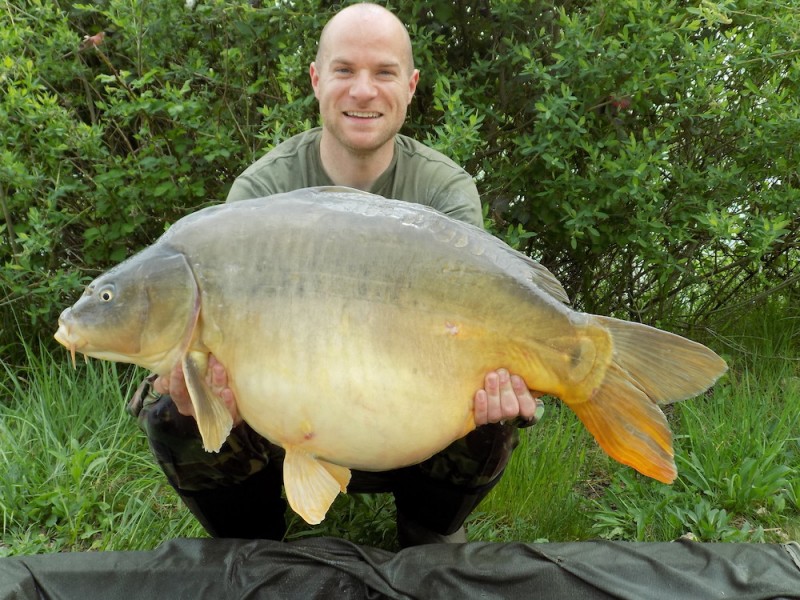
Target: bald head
[371,19]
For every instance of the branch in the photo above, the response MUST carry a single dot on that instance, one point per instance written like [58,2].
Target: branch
[15,249]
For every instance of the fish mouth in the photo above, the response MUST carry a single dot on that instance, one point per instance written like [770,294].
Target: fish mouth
[71,340]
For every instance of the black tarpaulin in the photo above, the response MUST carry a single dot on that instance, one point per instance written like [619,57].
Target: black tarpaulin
[334,568]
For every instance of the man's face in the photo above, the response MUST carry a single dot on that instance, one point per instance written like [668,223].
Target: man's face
[364,84]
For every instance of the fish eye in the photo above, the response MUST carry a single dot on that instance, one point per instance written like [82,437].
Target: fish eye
[106,294]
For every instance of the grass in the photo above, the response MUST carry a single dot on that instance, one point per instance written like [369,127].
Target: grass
[77,474]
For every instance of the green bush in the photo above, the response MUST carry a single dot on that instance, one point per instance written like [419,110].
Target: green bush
[644,151]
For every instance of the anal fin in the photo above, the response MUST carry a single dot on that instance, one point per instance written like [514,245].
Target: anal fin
[213,419]
[312,484]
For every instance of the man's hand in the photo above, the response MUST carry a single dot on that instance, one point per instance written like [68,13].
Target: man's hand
[217,379]
[504,397]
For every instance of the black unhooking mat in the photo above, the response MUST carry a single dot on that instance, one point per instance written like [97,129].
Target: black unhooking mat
[329,568]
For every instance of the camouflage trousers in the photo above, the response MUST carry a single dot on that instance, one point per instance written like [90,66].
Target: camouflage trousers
[457,478]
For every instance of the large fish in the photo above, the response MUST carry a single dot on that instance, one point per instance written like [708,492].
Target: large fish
[355,331]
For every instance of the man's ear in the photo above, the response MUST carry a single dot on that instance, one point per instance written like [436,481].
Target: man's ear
[314,75]
[412,84]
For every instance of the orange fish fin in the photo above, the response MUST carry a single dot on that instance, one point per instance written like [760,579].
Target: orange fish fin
[311,484]
[629,426]
[339,473]
[666,366]
[213,419]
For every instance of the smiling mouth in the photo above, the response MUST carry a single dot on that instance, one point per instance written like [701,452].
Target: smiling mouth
[362,114]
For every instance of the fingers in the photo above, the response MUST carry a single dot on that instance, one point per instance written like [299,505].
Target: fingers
[509,403]
[500,400]
[161,385]
[179,392]
[170,384]
[217,373]
[217,378]
[527,400]
[230,403]
[505,397]
[481,406]
[494,412]
[496,401]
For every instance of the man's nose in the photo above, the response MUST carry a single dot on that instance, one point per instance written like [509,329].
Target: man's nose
[363,86]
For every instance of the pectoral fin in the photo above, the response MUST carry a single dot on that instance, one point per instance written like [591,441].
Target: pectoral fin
[213,419]
[312,484]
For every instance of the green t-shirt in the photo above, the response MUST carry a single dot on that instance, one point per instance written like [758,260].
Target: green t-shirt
[416,174]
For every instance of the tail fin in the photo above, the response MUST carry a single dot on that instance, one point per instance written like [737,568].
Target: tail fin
[649,367]
[629,426]
[667,367]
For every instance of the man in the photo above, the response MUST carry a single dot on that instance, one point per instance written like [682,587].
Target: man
[364,80]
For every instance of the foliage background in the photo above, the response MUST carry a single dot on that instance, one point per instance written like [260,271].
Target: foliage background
[644,151]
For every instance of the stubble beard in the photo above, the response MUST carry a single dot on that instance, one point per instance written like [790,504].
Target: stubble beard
[364,150]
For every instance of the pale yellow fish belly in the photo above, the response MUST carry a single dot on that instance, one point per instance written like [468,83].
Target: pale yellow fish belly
[384,387]
[351,430]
